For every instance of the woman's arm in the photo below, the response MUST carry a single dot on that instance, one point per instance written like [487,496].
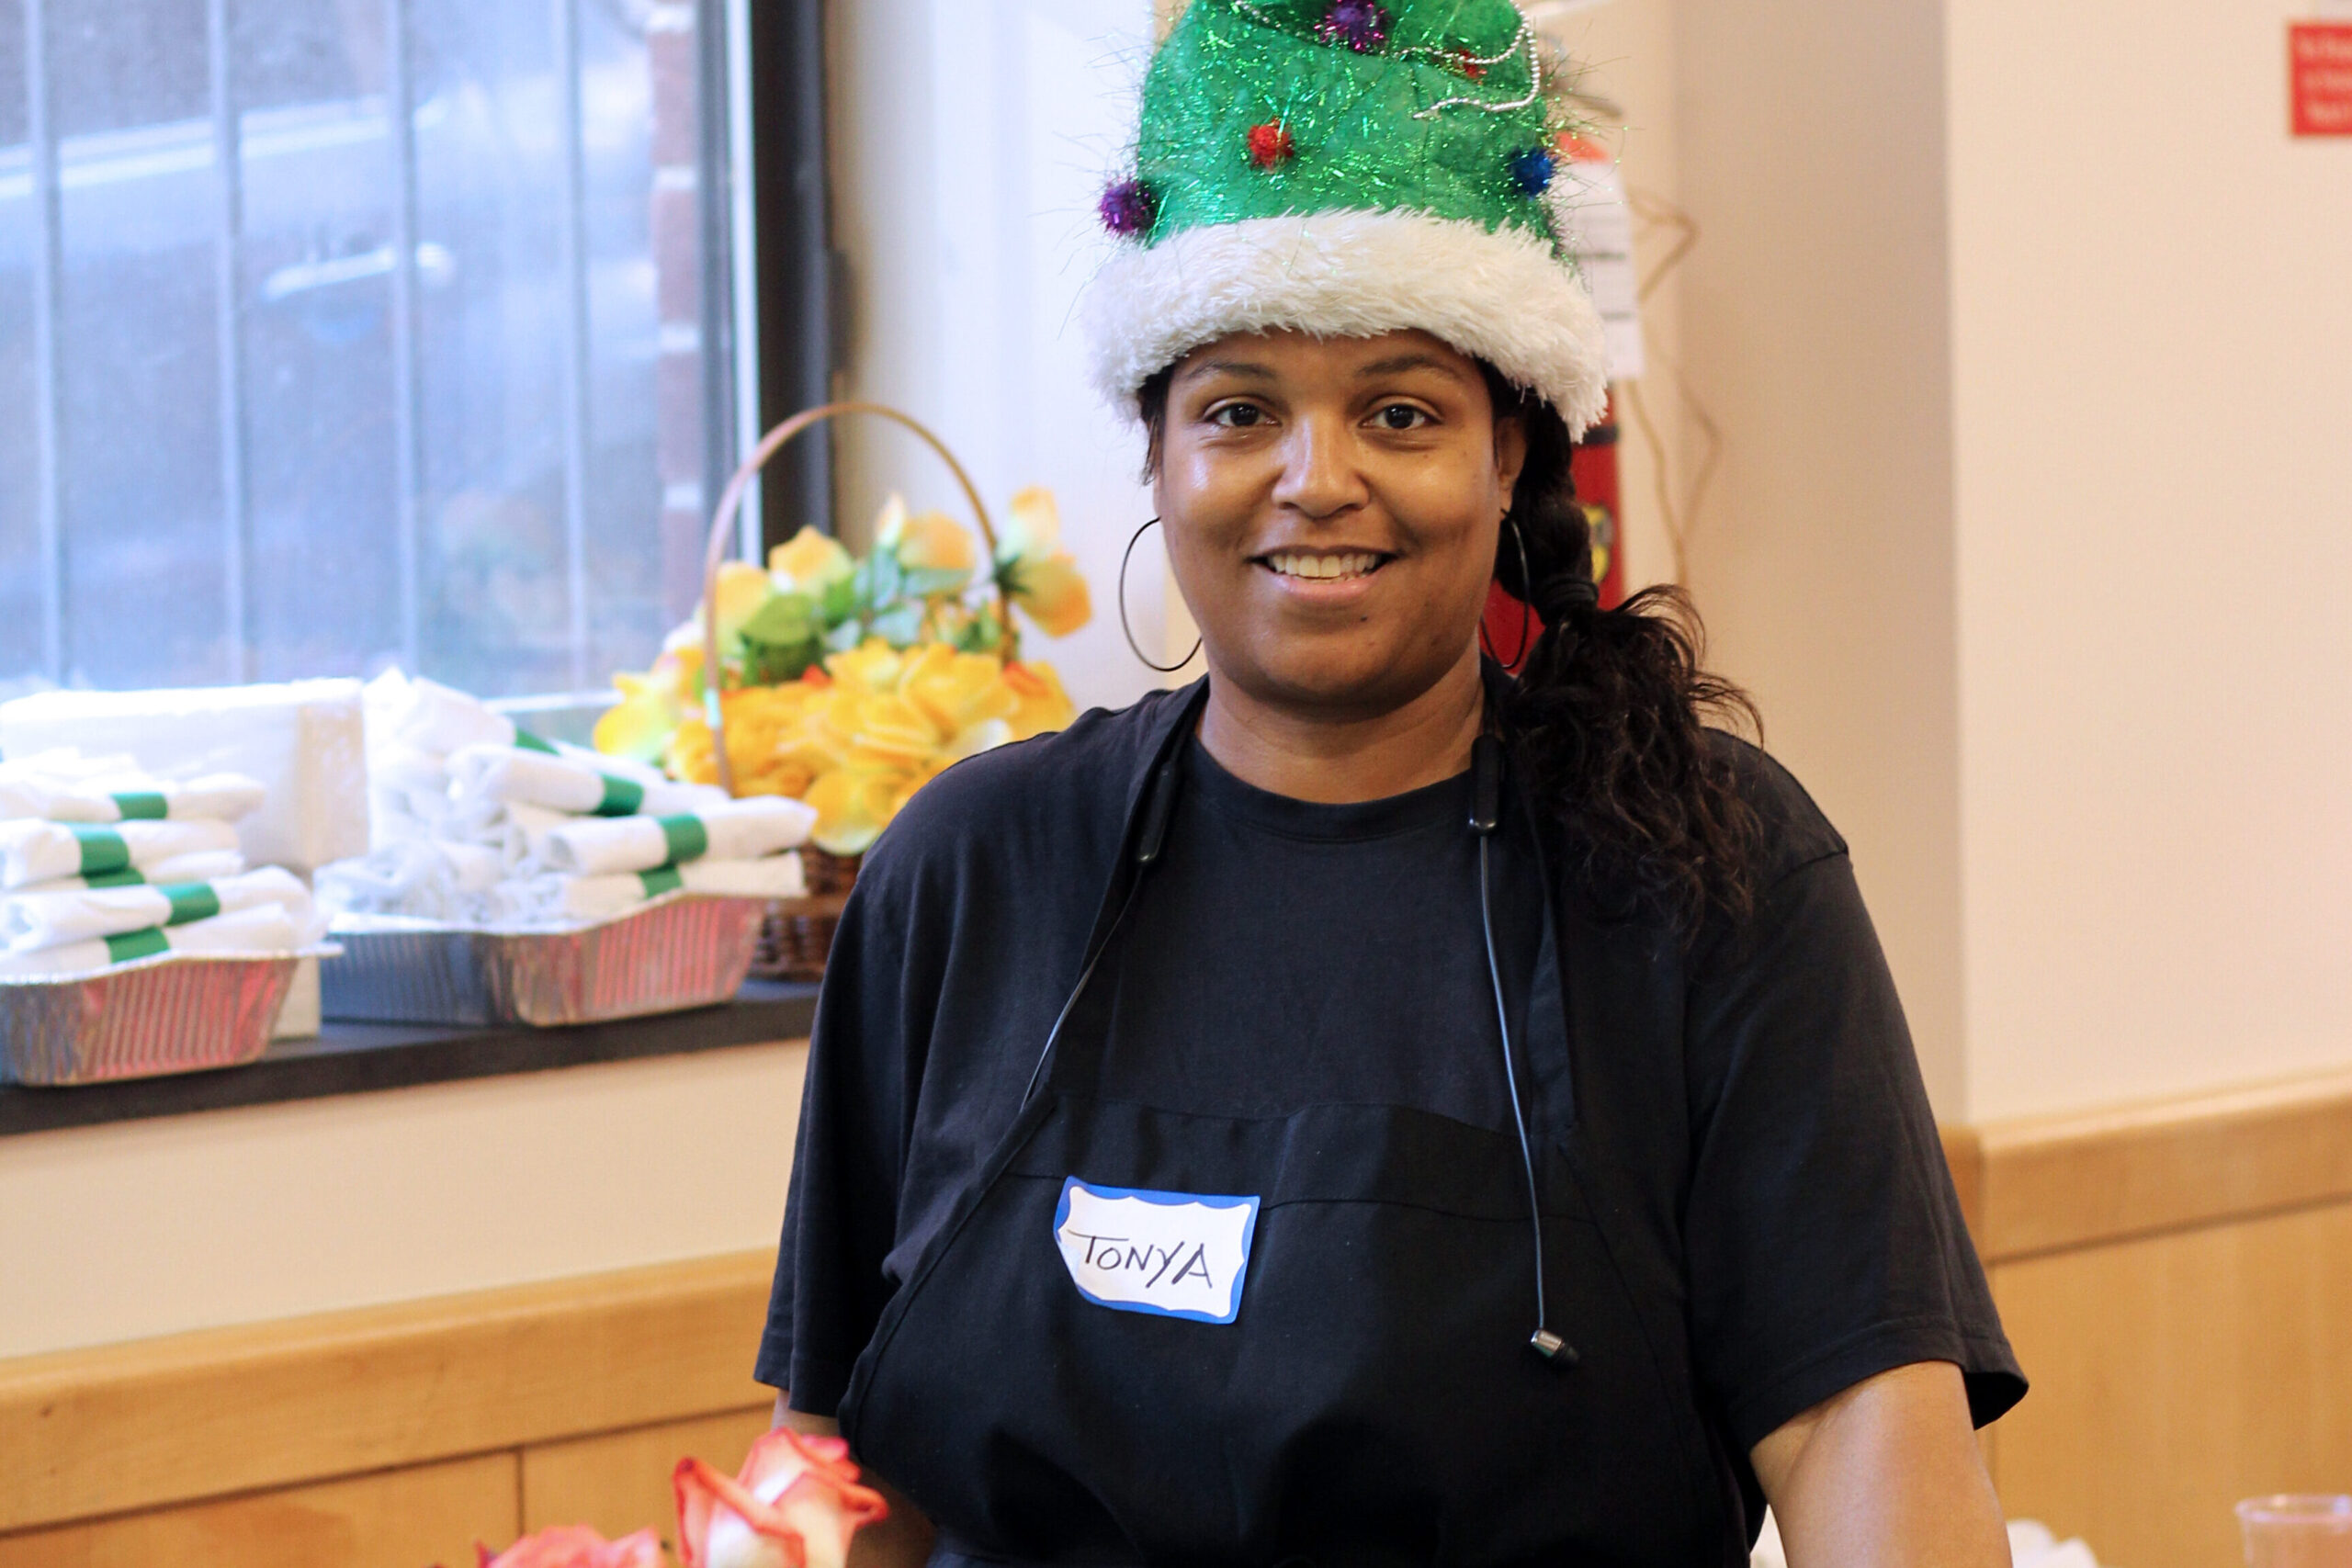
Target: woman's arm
[902,1540]
[1887,1472]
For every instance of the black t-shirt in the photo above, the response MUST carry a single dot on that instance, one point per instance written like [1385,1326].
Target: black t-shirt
[1286,954]
[1758,1090]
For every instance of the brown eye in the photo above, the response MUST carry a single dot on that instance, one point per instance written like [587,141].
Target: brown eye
[1238,416]
[1401,416]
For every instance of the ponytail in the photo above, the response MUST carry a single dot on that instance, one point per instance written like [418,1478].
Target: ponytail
[1609,711]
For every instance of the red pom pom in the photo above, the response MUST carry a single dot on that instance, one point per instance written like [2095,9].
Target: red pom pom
[1269,145]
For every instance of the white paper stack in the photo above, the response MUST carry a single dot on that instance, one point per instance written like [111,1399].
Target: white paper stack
[301,744]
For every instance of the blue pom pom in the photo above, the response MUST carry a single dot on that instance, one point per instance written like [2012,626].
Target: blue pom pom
[1531,168]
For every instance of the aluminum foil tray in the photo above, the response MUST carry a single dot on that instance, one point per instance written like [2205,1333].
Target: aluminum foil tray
[172,1015]
[686,950]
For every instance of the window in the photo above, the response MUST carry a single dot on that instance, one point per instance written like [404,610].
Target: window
[335,332]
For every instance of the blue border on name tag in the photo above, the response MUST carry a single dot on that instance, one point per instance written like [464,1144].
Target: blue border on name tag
[1168,1201]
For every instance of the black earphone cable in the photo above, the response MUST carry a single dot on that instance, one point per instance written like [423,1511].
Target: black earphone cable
[1485,815]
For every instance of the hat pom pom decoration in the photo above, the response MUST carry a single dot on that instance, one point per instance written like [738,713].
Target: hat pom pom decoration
[1360,24]
[1531,168]
[1128,208]
[1271,146]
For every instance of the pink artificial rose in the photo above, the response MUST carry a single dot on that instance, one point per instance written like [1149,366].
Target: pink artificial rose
[794,1505]
[576,1546]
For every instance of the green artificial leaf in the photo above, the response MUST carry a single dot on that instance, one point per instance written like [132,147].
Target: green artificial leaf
[931,581]
[845,636]
[840,602]
[900,626]
[784,620]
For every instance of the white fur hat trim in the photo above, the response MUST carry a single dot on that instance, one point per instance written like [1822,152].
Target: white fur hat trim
[1498,295]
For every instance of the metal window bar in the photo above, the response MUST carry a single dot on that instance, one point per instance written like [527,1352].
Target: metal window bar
[48,270]
[408,456]
[575,257]
[228,267]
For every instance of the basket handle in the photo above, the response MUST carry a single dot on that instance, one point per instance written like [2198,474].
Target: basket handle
[722,526]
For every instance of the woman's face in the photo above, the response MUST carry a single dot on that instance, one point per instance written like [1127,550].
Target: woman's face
[1332,506]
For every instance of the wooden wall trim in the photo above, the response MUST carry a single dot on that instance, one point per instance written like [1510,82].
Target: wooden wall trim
[122,1427]
[2050,1184]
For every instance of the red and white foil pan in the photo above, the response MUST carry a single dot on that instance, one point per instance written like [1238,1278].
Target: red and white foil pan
[683,950]
[142,1019]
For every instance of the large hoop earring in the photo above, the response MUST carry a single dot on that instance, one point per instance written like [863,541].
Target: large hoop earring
[1124,558]
[1526,613]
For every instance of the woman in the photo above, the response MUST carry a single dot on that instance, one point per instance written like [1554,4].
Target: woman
[1363,1108]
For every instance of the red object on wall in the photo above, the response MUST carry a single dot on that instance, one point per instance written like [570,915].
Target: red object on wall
[1593,465]
[2319,73]
[1510,629]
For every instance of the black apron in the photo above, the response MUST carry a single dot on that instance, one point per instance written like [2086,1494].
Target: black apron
[1372,1402]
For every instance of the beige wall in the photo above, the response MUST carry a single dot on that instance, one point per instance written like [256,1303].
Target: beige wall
[2152,401]
[2029,328]
[142,1228]
[1811,150]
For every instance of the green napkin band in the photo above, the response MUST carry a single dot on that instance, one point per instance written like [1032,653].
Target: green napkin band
[190,901]
[622,797]
[141,806]
[526,741]
[127,945]
[102,850]
[129,876]
[687,838]
[663,879]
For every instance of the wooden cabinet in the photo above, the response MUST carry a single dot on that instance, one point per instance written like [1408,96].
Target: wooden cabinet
[400,1518]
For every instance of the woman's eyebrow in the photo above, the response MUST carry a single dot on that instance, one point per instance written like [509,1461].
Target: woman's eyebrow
[1229,367]
[1398,363]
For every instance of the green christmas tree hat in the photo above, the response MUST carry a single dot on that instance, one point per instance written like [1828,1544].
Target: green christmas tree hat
[1348,169]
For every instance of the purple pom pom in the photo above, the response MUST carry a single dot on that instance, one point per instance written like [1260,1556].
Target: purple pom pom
[1532,167]
[1128,208]
[1361,25]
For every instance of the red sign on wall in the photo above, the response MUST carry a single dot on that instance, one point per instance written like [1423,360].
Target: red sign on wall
[2319,68]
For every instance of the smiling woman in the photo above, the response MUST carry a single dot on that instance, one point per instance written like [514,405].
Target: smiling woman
[1365,1108]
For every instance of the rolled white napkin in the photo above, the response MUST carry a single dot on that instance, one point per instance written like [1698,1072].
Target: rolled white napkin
[734,829]
[205,865]
[31,922]
[555,896]
[41,851]
[28,784]
[266,928]
[216,797]
[514,774]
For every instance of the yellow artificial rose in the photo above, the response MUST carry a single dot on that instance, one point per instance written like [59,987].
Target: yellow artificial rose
[651,705]
[1042,578]
[809,562]
[1040,703]
[935,541]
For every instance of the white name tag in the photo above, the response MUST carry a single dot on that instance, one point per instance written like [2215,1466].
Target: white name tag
[1170,1253]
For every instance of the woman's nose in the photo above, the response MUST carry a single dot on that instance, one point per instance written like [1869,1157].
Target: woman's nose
[1319,478]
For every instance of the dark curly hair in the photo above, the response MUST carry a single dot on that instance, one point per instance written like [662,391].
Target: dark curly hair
[1610,709]
[1610,712]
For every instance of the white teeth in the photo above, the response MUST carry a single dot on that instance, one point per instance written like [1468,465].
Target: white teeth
[1296,563]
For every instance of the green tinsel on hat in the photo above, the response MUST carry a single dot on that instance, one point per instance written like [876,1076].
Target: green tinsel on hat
[1346,168]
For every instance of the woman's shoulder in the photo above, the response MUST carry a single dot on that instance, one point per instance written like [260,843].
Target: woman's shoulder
[1792,830]
[1047,806]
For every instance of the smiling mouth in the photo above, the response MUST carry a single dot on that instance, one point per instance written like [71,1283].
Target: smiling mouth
[1332,566]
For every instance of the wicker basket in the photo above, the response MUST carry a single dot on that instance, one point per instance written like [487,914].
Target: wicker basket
[798,932]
